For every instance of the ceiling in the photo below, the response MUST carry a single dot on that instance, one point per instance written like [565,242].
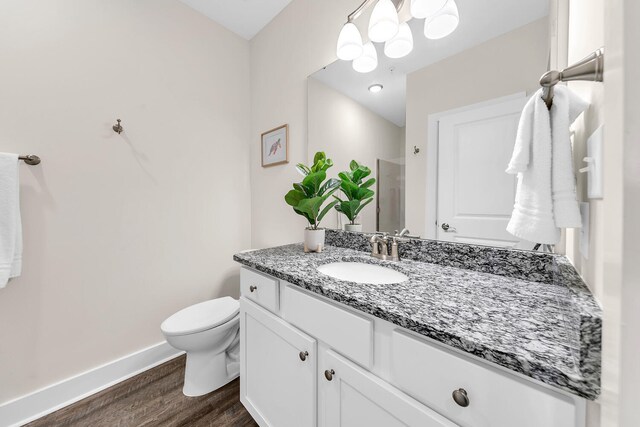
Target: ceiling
[480,20]
[244,17]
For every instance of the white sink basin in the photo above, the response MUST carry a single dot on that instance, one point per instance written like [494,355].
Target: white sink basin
[361,272]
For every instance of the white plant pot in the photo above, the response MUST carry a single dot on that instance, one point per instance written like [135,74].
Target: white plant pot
[353,227]
[313,240]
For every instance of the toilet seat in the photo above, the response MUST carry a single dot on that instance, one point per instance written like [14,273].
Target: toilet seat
[202,316]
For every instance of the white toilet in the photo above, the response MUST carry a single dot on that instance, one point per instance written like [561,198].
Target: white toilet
[209,333]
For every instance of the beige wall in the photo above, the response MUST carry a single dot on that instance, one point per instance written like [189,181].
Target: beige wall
[120,231]
[612,269]
[346,130]
[298,42]
[507,64]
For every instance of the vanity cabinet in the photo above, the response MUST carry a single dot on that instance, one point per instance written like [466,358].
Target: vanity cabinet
[353,397]
[278,370]
[306,360]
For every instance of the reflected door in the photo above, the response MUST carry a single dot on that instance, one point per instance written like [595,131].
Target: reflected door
[475,194]
[390,196]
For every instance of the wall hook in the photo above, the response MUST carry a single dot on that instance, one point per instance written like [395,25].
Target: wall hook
[118,127]
[416,150]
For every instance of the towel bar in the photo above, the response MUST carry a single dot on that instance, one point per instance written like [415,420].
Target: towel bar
[590,68]
[30,159]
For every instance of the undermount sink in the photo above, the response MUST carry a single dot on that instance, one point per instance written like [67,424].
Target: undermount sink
[361,272]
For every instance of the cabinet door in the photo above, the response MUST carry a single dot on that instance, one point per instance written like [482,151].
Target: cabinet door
[278,366]
[353,397]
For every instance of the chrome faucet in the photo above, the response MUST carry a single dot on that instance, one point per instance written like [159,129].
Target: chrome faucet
[380,247]
[403,233]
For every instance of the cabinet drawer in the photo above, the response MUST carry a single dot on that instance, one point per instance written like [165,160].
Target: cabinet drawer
[496,399]
[346,332]
[259,288]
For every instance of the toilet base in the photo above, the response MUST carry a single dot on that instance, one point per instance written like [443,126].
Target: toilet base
[206,372]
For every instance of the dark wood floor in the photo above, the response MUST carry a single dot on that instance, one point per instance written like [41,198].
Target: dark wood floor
[154,398]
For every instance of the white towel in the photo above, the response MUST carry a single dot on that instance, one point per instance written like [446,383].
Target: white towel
[532,217]
[545,196]
[10,223]
[565,109]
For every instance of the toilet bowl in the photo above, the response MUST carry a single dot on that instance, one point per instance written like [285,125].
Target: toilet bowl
[209,333]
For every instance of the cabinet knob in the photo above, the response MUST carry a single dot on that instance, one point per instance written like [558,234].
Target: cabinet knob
[460,397]
[329,373]
[252,288]
[303,355]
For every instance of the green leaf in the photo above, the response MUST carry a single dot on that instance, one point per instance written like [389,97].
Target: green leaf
[353,165]
[314,180]
[331,184]
[311,207]
[368,183]
[363,193]
[303,169]
[349,189]
[320,156]
[293,197]
[326,209]
[366,202]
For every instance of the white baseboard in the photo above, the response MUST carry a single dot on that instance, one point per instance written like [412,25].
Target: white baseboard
[51,398]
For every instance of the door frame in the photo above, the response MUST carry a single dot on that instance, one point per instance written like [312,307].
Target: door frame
[433,139]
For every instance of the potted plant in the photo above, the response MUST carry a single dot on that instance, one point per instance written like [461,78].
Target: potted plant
[308,196]
[357,193]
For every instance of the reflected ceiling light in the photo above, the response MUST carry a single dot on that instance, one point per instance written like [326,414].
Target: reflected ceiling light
[401,45]
[368,61]
[383,24]
[349,42]
[375,88]
[424,8]
[443,23]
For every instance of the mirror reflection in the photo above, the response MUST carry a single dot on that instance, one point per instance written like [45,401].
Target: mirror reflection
[437,126]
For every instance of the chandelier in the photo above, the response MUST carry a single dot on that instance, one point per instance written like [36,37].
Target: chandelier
[441,18]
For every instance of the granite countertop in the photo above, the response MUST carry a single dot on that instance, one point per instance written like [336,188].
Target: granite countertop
[546,331]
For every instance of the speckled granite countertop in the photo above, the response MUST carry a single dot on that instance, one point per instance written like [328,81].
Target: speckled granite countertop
[546,331]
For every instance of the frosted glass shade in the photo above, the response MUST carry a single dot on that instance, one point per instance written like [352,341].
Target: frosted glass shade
[400,45]
[424,8]
[349,42]
[383,24]
[368,61]
[443,23]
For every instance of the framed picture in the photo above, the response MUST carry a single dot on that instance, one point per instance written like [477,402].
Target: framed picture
[275,146]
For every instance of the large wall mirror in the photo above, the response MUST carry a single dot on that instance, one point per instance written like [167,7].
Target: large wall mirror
[437,127]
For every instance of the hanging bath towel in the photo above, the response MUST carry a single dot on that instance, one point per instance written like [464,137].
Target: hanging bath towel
[10,224]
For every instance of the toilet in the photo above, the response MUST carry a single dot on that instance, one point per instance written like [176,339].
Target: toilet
[209,333]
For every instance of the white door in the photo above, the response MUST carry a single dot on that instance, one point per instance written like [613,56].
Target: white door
[475,194]
[354,397]
[277,369]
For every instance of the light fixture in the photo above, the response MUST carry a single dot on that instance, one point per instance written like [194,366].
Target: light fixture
[349,42]
[375,88]
[443,23]
[424,8]
[368,61]
[383,24]
[401,45]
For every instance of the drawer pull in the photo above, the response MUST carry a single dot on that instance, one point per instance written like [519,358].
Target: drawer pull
[329,373]
[460,397]
[252,288]
[303,355]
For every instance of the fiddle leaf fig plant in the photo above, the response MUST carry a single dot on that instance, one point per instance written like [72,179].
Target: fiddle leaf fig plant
[308,196]
[355,190]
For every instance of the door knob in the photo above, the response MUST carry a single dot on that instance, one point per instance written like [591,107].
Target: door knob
[329,373]
[446,227]
[460,397]
[303,355]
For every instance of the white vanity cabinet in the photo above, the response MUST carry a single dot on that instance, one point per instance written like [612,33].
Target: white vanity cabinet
[278,370]
[359,370]
[353,397]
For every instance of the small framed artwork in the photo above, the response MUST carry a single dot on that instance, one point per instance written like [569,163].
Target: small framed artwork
[275,146]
